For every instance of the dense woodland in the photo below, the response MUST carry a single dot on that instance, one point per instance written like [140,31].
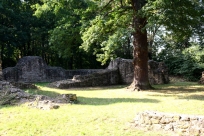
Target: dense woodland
[76,34]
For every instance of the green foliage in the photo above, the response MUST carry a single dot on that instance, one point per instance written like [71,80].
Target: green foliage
[180,17]
[102,28]
[64,36]
[50,29]
[108,33]
[110,29]
[188,63]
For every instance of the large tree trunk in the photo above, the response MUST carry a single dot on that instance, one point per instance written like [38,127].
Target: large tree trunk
[140,51]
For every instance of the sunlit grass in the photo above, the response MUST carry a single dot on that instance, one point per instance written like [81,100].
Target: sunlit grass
[101,111]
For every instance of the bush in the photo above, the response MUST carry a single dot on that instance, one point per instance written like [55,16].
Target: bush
[188,63]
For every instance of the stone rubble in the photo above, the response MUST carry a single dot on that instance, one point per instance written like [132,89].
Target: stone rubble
[11,95]
[184,125]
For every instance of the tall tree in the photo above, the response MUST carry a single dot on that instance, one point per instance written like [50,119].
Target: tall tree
[117,20]
[179,17]
[140,52]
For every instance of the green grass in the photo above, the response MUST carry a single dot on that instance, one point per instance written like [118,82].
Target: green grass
[105,111]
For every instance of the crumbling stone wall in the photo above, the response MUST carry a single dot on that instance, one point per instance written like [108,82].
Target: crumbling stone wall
[71,73]
[10,94]
[102,78]
[201,81]
[120,71]
[35,69]
[125,69]
[28,69]
[158,72]
[184,125]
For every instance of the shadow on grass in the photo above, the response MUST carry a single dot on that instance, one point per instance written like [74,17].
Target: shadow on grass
[183,90]
[178,88]
[107,101]
[193,97]
[96,101]
[96,88]
[42,92]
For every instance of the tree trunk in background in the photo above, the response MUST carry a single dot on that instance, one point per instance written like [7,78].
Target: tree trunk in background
[140,51]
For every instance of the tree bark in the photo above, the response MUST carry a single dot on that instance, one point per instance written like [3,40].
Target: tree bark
[140,50]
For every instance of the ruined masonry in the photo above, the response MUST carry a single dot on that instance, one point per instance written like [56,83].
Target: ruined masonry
[11,93]
[184,125]
[8,93]
[34,69]
[120,71]
[158,72]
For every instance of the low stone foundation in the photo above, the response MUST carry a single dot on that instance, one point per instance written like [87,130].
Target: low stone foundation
[184,125]
[22,85]
[102,78]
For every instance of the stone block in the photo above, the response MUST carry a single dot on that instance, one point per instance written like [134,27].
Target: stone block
[168,127]
[194,132]
[158,72]
[184,125]
[185,118]
[155,121]
[157,126]
[147,120]
[165,120]
[176,118]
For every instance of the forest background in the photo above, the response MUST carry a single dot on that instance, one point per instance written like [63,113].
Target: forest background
[87,34]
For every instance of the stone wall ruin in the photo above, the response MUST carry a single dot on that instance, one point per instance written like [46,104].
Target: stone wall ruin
[158,72]
[11,93]
[120,71]
[184,125]
[103,78]
[34,69]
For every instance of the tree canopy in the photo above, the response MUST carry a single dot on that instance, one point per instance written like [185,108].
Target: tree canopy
[74,34]
[119,21]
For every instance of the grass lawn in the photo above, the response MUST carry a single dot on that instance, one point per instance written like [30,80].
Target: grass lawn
[105,111]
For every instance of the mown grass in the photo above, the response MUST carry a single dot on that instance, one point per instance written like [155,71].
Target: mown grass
[105,111]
